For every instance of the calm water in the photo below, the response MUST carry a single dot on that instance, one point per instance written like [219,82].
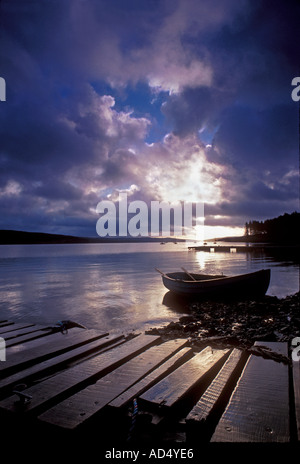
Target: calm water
[114,286]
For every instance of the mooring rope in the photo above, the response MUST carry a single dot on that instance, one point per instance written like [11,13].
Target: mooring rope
[63,327]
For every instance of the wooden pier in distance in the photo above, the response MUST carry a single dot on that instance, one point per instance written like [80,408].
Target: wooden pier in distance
[251,248]
[141,389]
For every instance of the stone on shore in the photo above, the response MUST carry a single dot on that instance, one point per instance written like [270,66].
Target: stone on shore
[238,323]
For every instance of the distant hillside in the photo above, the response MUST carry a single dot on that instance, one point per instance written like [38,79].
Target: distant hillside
[14,237]
[284,229]
[17,237]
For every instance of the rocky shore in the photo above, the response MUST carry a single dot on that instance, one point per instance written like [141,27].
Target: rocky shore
[237,323]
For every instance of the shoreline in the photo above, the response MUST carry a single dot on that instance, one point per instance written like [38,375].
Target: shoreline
[236,323]
[21,237]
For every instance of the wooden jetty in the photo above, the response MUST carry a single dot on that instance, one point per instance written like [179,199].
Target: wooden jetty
[141,389]
[251,248]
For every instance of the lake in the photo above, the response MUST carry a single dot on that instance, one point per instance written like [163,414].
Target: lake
[115,287]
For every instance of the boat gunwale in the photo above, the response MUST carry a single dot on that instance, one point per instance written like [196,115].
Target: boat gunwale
[225,278]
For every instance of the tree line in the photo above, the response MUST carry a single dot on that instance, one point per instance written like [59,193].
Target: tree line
[282,228]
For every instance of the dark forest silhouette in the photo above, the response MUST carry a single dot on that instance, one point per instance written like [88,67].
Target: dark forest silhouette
[285,228]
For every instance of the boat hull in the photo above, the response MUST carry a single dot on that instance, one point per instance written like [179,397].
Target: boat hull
[255,283]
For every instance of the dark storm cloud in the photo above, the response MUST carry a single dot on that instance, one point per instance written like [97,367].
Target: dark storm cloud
[247,135]
[58,189]
[189,110]
[253,59]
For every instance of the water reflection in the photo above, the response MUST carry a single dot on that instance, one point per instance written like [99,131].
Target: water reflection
[115,287]
[176,302]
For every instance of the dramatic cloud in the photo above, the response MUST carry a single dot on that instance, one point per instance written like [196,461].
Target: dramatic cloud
[169,100]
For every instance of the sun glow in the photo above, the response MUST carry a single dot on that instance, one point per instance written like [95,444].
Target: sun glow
[211,232]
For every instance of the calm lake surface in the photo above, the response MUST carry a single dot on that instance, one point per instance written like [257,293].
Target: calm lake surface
[115,287]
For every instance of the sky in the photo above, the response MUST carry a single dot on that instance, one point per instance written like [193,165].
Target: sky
[165,100]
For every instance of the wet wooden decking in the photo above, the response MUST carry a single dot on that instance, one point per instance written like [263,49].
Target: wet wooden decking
[142,389]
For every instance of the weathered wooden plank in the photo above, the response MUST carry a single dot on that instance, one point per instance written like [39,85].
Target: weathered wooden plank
[14,327]
[199,417]
[37,342]
[27,337]
[296,384]
[152,378]
[27,330]
[79,407]
[79,375]
[175,386]
[37,370]
[57,343]
[258,410]
[6,323]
